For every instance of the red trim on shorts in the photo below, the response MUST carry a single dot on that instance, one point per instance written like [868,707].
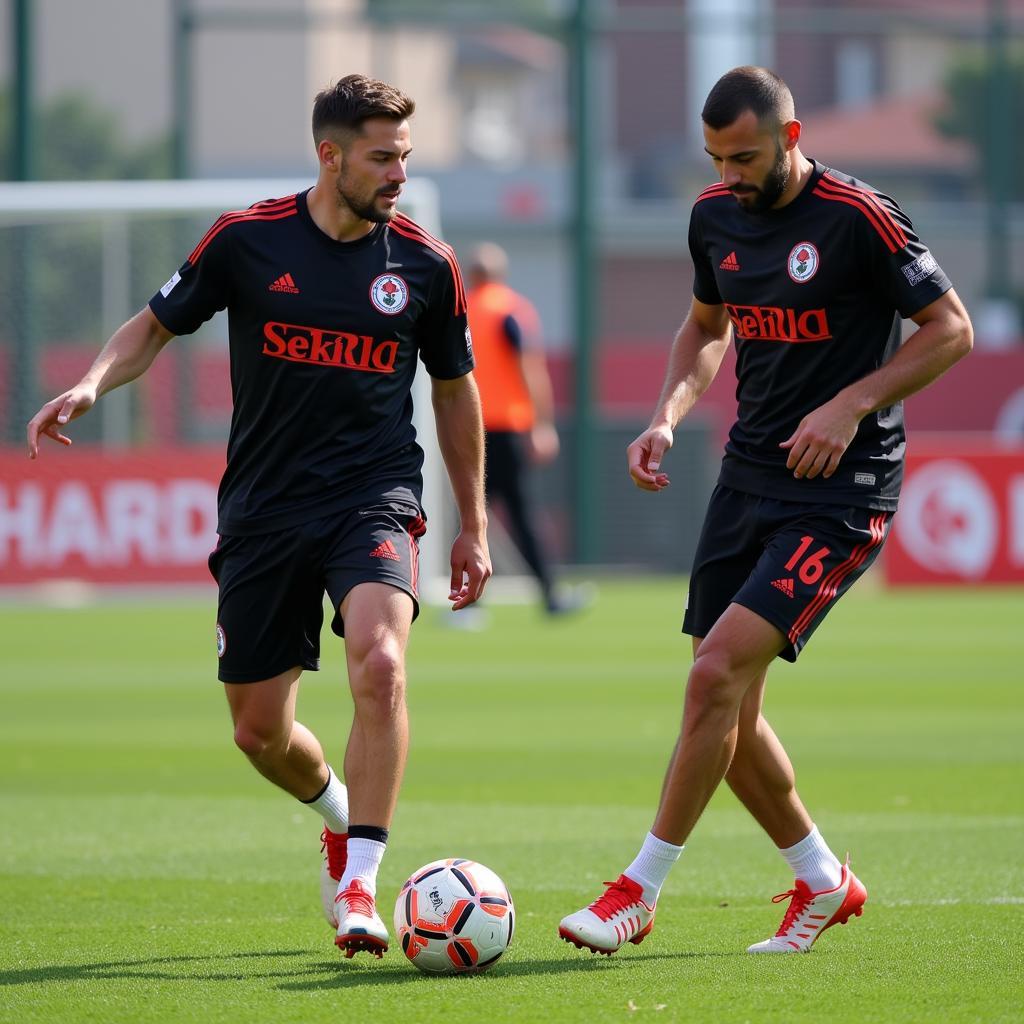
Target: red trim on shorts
[830,584]
[414,560]
[416,528]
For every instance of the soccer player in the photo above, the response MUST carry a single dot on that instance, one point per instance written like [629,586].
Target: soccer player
[332,296]
[811,271]
[518,407]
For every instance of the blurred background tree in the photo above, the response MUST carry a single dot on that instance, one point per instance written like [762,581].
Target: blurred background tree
[77,140]
[967,114]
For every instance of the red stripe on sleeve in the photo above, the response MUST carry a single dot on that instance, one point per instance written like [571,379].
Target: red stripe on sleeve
[858,205]
[411,230]
[881,219]
[268,203]
[872,198]
[711,191]
[270,210]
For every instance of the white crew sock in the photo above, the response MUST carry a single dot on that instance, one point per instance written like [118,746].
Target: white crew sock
[652,865]
[364,857]
[814,863]
[332,803]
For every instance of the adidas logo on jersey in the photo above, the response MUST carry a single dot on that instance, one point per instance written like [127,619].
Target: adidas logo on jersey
[284,283]
[730,262]
[786,586]
[386,550]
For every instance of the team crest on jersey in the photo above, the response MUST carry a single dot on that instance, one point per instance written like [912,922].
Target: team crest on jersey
[222,641]
[389,293]
[803,262]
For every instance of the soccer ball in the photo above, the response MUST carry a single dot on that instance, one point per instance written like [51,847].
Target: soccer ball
[454,917]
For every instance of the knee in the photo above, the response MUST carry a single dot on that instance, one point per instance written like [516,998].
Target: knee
[257,739]
[378,680]
[712,688]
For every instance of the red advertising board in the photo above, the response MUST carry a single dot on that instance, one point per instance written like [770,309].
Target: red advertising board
[150,516]
[101,516]
[961,515]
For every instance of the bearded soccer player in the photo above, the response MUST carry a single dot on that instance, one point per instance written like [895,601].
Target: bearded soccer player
[332,295]
[811,271]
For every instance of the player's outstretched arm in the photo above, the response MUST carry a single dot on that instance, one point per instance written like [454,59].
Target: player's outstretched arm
[697,353]
[460,435]
[128,353]
[944,335]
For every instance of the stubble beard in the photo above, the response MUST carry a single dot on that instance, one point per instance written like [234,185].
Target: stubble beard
[774,185]
[364,208]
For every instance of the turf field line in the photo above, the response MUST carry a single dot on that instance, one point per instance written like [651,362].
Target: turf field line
[953,901]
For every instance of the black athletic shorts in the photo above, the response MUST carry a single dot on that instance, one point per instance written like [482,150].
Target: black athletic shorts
[787,561]
[270,607]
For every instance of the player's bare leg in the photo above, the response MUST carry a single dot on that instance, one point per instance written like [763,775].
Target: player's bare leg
[289,755]
[732,658]
[377,620]
[761,773]
[279,748]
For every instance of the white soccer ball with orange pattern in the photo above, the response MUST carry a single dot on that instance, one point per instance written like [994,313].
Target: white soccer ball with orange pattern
[454,917]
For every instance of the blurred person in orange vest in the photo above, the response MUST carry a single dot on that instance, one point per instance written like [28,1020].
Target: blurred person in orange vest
[518,407]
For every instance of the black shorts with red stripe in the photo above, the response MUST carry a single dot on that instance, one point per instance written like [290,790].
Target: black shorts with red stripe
[787,561]
[271,603]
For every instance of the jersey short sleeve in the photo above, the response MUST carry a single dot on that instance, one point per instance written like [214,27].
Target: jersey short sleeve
[444,339]
[705,289]
[525,314]
[513,332]
[904,268]
[198,289]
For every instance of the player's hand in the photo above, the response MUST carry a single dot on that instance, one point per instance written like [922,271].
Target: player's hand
[645,455]
[818,443]
[471,569]
[57,412]
[542,443]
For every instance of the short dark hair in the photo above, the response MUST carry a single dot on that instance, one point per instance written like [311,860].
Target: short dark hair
[748,88]
[355,99]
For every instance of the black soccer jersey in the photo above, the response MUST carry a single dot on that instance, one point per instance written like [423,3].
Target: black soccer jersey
[815,291]
[324,338]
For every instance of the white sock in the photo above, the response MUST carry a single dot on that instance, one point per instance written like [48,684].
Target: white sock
[331,803]
[814,863]
[364,857]
[652,865]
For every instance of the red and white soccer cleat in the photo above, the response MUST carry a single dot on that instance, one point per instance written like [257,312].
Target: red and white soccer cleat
[619,915]
[810,913]
[334,847]
[359,925]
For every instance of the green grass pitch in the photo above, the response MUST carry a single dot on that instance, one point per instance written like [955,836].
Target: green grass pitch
[148,874]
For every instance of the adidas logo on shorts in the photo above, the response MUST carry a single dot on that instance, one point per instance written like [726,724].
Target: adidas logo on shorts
[386,550]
